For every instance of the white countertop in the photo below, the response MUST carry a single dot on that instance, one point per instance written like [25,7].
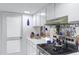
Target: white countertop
[37,41]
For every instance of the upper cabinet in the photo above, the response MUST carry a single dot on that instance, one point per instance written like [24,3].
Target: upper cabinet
[36,19]
[67,9]
[39,18]
[50,12]
[43,17]
[46,13]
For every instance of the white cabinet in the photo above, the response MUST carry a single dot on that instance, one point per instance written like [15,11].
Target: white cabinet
[36,19]
[73,12]
[47,13]
[43,17]
[32,45]
[50,12]
[61,10]
[67,9]
[31,48]
[39,18]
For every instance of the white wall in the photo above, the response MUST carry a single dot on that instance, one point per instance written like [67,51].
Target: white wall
[25,18]
[67,9]
[27,29]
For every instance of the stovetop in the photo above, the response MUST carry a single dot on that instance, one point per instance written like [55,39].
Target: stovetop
[56,50]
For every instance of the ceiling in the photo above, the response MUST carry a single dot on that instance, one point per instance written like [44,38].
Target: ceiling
[21,7]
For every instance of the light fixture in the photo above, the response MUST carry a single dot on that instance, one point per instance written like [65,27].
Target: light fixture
[43,14]
[27,12]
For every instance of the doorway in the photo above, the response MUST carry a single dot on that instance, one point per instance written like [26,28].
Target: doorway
[11,34]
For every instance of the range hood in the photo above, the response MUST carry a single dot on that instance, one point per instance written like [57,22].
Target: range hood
[60,20]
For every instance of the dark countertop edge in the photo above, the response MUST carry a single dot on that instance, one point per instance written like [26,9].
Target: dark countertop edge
[43,50]
[49,53]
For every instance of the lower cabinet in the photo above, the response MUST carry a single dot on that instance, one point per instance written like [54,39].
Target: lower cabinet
[31,48]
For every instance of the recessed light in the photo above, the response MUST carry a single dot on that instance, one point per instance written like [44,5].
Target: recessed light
[43,14]
[28,12]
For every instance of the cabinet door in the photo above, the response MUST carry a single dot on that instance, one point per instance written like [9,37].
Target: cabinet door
[31,48]
[34,20]
[38,19]
[43,16]
[27,47]
[50,11]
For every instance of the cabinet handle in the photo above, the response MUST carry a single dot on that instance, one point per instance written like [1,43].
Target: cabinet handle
[20,37]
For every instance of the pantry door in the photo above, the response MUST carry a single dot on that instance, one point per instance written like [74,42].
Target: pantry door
[14,34]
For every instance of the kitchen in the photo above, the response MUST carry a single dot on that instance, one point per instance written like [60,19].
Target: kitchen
[39,29]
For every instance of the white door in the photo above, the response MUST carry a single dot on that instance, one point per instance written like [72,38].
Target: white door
[14,34]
